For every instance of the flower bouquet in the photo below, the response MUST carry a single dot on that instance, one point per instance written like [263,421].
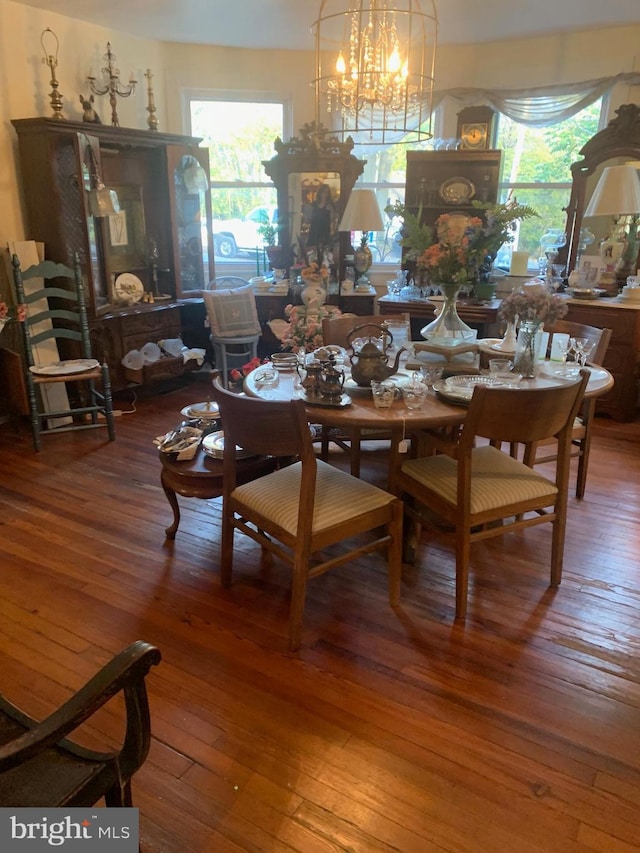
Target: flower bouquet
[303,332]
[315,274]
[532,303]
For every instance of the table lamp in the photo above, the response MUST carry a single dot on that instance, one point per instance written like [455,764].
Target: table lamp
[362,213]
[617,194]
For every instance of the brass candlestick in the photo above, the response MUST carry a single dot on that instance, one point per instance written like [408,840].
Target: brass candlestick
[152,121]
[113,87]
[51,59]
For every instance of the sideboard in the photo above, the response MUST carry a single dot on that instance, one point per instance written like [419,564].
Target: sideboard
[482,316]
[623,355]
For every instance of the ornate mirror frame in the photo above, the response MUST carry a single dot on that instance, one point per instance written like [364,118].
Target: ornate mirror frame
[620,139]
[313,153]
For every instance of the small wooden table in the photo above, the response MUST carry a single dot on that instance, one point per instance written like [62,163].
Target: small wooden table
[201,477]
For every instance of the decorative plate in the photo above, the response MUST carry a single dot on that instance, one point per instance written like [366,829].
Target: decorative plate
[213,445]
[64,368]
[457,190]
[128,287]
[459,389]
[399,379]
[201,410]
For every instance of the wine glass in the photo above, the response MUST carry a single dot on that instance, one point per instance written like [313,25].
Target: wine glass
[582,347]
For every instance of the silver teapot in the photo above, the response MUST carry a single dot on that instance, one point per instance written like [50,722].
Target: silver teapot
[370,361]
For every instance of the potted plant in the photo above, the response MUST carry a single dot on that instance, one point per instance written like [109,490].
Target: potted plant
[279,257]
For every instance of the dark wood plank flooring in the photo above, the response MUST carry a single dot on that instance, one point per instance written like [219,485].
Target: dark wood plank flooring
[389,731]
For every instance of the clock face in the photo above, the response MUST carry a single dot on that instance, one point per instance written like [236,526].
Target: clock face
[474,135]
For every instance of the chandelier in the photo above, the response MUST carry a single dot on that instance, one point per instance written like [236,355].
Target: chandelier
[375,68]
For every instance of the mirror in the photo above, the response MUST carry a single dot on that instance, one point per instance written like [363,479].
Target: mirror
[313,175]
[314,198]
[618,143]
[191,186]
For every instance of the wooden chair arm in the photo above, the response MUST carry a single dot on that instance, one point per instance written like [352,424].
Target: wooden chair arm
[125,672]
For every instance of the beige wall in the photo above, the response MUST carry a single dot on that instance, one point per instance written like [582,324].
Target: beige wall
[24,80]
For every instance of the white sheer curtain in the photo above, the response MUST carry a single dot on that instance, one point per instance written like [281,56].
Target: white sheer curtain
[541,106]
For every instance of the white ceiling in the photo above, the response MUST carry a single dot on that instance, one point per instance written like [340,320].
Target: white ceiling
[287,23]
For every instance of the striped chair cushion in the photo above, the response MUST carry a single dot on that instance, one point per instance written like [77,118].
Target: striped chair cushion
[497,479]
[277,496]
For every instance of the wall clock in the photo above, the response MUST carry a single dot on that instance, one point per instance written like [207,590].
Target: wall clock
[474,135]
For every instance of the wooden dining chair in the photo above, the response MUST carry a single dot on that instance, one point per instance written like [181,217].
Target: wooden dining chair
[67,388]
[40,767]
[480,490]
[540,452]
[335,331]
[303,508]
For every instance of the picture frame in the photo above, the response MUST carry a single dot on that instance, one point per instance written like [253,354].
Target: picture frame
[589,269]
[124,233]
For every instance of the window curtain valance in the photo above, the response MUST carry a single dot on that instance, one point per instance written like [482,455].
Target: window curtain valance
[540,106]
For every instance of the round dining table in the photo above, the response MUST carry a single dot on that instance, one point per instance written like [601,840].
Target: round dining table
[360,411]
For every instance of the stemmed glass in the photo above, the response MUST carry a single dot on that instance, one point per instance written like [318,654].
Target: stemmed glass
[430,374]
[582,347]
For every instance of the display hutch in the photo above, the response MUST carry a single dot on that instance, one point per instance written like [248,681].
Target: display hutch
[162,235]
[450,181]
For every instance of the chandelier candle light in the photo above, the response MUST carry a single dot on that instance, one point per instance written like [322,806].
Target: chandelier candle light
[113,87]
[375,63]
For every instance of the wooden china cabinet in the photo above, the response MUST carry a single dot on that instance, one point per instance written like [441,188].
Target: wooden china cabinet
[162,235]
[450,181]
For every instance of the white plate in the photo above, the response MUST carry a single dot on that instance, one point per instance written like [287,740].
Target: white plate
[200,410]
[563,371]
[457,190]
[128,287]
[64,368]
[213,445]
[351,386]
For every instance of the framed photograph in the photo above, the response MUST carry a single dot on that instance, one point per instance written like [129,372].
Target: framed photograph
[124,233]
[589,269]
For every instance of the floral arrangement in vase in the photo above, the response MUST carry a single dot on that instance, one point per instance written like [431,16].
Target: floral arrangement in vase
[532,303]
[468,245]
[451,259]
[533,306]
[315,274]
[303,332]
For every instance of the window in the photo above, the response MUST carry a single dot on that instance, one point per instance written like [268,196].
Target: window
[536,169]
[239,135]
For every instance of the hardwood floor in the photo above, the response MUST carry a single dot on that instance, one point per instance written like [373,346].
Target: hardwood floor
[518,731]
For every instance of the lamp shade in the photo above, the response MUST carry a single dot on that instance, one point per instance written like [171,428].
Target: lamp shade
[617,192]
[362,212]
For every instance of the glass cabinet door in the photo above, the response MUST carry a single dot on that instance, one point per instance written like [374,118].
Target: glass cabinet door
[191,215]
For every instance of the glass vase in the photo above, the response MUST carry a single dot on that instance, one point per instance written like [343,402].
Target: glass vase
[448,329]
[524,359]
